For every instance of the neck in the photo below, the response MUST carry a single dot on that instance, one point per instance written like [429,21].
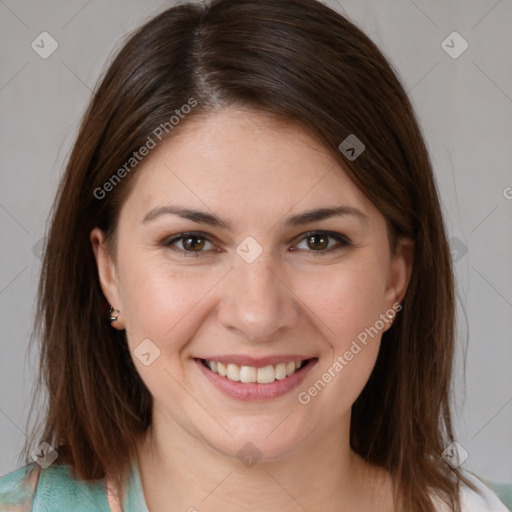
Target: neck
[184,472]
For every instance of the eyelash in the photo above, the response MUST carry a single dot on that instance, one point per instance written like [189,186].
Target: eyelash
[342,240]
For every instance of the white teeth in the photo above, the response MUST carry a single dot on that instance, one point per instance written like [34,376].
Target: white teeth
[221,369]
[248,374]
[233,372]
[266,374]
[281,371]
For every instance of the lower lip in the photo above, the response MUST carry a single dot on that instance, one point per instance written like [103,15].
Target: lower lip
[254,391]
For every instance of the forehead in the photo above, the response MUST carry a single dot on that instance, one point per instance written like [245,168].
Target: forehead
[244,161]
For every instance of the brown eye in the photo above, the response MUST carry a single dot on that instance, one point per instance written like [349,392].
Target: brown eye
[317,242]
[193,243]
[322,242]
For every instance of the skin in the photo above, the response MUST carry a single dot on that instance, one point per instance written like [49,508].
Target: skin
[252,172]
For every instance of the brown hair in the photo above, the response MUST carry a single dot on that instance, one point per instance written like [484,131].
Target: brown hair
[301,62]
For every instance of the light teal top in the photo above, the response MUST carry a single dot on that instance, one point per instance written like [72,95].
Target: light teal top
[57,491]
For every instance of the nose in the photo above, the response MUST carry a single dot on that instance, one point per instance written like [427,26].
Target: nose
[257,302]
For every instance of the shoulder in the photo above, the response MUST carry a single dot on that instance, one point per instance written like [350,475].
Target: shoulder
[32,489]
[17,489]
[485,500]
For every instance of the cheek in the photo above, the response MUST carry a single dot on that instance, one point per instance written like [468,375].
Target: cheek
[163,302]
[345,300]
[165,306]
[346,305]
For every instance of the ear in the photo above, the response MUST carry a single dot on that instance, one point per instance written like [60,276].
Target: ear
[399,272]
[107,271]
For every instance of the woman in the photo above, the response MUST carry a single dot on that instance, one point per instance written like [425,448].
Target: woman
[246,300]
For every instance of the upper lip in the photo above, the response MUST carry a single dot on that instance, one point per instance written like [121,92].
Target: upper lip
[257,362]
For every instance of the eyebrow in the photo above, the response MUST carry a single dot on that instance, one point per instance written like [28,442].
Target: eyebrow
[202,217]
[325,213]
[198,216]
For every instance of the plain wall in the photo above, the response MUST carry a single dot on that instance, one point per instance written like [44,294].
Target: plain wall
[465,108]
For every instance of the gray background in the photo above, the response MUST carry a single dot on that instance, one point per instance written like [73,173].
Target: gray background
[464,106]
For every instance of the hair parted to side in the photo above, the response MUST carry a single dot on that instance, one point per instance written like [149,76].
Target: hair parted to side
[301,62]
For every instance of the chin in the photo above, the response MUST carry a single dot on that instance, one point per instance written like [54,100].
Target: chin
[257,439]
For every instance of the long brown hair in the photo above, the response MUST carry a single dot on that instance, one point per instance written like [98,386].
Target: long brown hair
[303,63]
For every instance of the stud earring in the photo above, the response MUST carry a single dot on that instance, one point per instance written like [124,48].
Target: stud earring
[113,315]
[392,316]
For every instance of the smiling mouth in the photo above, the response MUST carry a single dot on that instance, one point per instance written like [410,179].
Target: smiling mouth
[251,374]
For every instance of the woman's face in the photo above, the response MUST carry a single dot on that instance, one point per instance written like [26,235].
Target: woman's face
[287,261]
